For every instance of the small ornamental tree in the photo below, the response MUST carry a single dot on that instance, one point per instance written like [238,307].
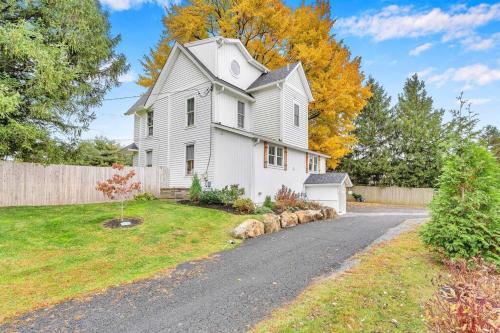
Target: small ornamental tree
[465,211]
[195,190]
[119,186]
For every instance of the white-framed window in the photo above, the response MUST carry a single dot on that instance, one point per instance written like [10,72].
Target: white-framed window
[150,122]
[313,163]
[275,156]
[296,114]
[149,158]
[190,111]
[241,114]
[189,159]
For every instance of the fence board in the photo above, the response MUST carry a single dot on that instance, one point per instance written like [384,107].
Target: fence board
[30,184]
[394,195]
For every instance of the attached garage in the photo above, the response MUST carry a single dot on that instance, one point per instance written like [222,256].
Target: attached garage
[329,189]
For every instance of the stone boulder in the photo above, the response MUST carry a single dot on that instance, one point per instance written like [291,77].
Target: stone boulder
[317,214]
[328,213]
[305,216]
[271,223]
[289,219]
[248,229]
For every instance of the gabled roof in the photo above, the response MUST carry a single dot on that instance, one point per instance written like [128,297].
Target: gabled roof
[131,147]
[280,75]
[143,100]
[336,178]
[275,76]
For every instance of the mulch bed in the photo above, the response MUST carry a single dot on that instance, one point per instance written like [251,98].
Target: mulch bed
[117,223]
[228,209]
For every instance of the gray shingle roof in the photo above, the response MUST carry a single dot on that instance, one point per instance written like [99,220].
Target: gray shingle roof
[326,178]
[131,146]
[141,102]
[273,76]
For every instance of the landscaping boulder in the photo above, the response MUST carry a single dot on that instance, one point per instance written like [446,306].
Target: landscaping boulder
[271,223]
[317,214]
[289,219]
[305,216]
[328,213]
[248,229]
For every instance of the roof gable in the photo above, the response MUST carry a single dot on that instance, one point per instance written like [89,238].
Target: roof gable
[334,178]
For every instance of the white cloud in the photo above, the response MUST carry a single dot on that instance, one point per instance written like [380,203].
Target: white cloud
[424,72]
[419,49]
[130,76]
[472,75]
[477,43]
[479,101]
[128,4]
[402,22]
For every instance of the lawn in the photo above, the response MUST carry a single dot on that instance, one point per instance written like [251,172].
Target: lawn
[384,293]
[51,253]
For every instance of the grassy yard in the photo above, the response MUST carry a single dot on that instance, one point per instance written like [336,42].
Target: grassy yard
[390,283]
[48,254]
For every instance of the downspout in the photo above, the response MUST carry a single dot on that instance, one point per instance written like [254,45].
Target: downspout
[252,178]
[210,139]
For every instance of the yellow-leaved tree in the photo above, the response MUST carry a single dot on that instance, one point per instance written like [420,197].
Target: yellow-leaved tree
[275,35]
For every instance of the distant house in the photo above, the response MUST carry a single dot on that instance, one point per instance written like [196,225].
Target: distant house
[217,112]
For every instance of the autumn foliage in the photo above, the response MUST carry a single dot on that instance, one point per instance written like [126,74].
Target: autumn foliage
[275,35]
[119,186]
[468,299]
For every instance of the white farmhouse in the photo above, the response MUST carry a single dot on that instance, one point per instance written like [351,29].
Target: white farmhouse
[217,112]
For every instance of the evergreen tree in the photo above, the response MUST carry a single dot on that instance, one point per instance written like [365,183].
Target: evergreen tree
[416,137]
[490,137]
[57,61]
[465,211]
[369,162]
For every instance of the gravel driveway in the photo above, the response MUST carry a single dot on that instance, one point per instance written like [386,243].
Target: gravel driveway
[229,292]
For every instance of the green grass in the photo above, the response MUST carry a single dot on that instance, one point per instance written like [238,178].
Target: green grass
[391,282]
[51,253]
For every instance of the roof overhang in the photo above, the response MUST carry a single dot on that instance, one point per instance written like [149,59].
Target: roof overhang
[252,135]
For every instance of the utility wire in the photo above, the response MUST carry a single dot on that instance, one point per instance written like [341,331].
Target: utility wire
[162,93]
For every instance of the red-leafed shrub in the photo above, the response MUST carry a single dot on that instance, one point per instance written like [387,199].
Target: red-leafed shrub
[468,299]
[286,199]
[119,186]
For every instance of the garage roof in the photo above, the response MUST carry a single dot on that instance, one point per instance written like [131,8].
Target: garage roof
[329,178]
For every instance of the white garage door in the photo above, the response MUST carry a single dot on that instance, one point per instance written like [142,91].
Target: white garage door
[329,195]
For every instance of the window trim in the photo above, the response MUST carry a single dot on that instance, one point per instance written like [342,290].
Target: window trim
[193,112]
[149,151]
[186,159]
[272,158]
[150,127]
[242,115]
[313,164]
[296,117]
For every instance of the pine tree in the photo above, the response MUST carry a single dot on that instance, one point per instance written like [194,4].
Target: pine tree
[416,137]
[369,162]
[276,35]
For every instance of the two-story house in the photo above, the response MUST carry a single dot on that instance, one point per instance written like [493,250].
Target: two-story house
[217,112]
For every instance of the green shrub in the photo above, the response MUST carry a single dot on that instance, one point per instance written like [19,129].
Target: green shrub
[263,210]
[231,193]
[213,197]
[195,190]
[268,202]
[465,210]
[244,206]
[146,196]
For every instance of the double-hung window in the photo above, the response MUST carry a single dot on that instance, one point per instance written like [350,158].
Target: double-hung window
[296,114]
[241,114]
[149,158]
[313,163]
[275,156]
[190,111]
[150,122]
[189,159]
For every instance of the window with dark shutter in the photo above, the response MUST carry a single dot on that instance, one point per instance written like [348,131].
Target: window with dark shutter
[150,122]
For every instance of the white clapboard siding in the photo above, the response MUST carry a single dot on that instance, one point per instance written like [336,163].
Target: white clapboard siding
[293,92]
[266,112]
[30,184]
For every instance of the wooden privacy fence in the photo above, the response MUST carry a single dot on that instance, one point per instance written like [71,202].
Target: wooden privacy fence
[394,195]
[29,184]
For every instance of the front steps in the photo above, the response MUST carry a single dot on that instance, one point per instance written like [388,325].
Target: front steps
[174,193]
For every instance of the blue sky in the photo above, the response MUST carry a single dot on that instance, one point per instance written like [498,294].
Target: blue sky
[454,46]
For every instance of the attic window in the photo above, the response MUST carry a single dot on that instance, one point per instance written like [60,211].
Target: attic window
[235,68]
